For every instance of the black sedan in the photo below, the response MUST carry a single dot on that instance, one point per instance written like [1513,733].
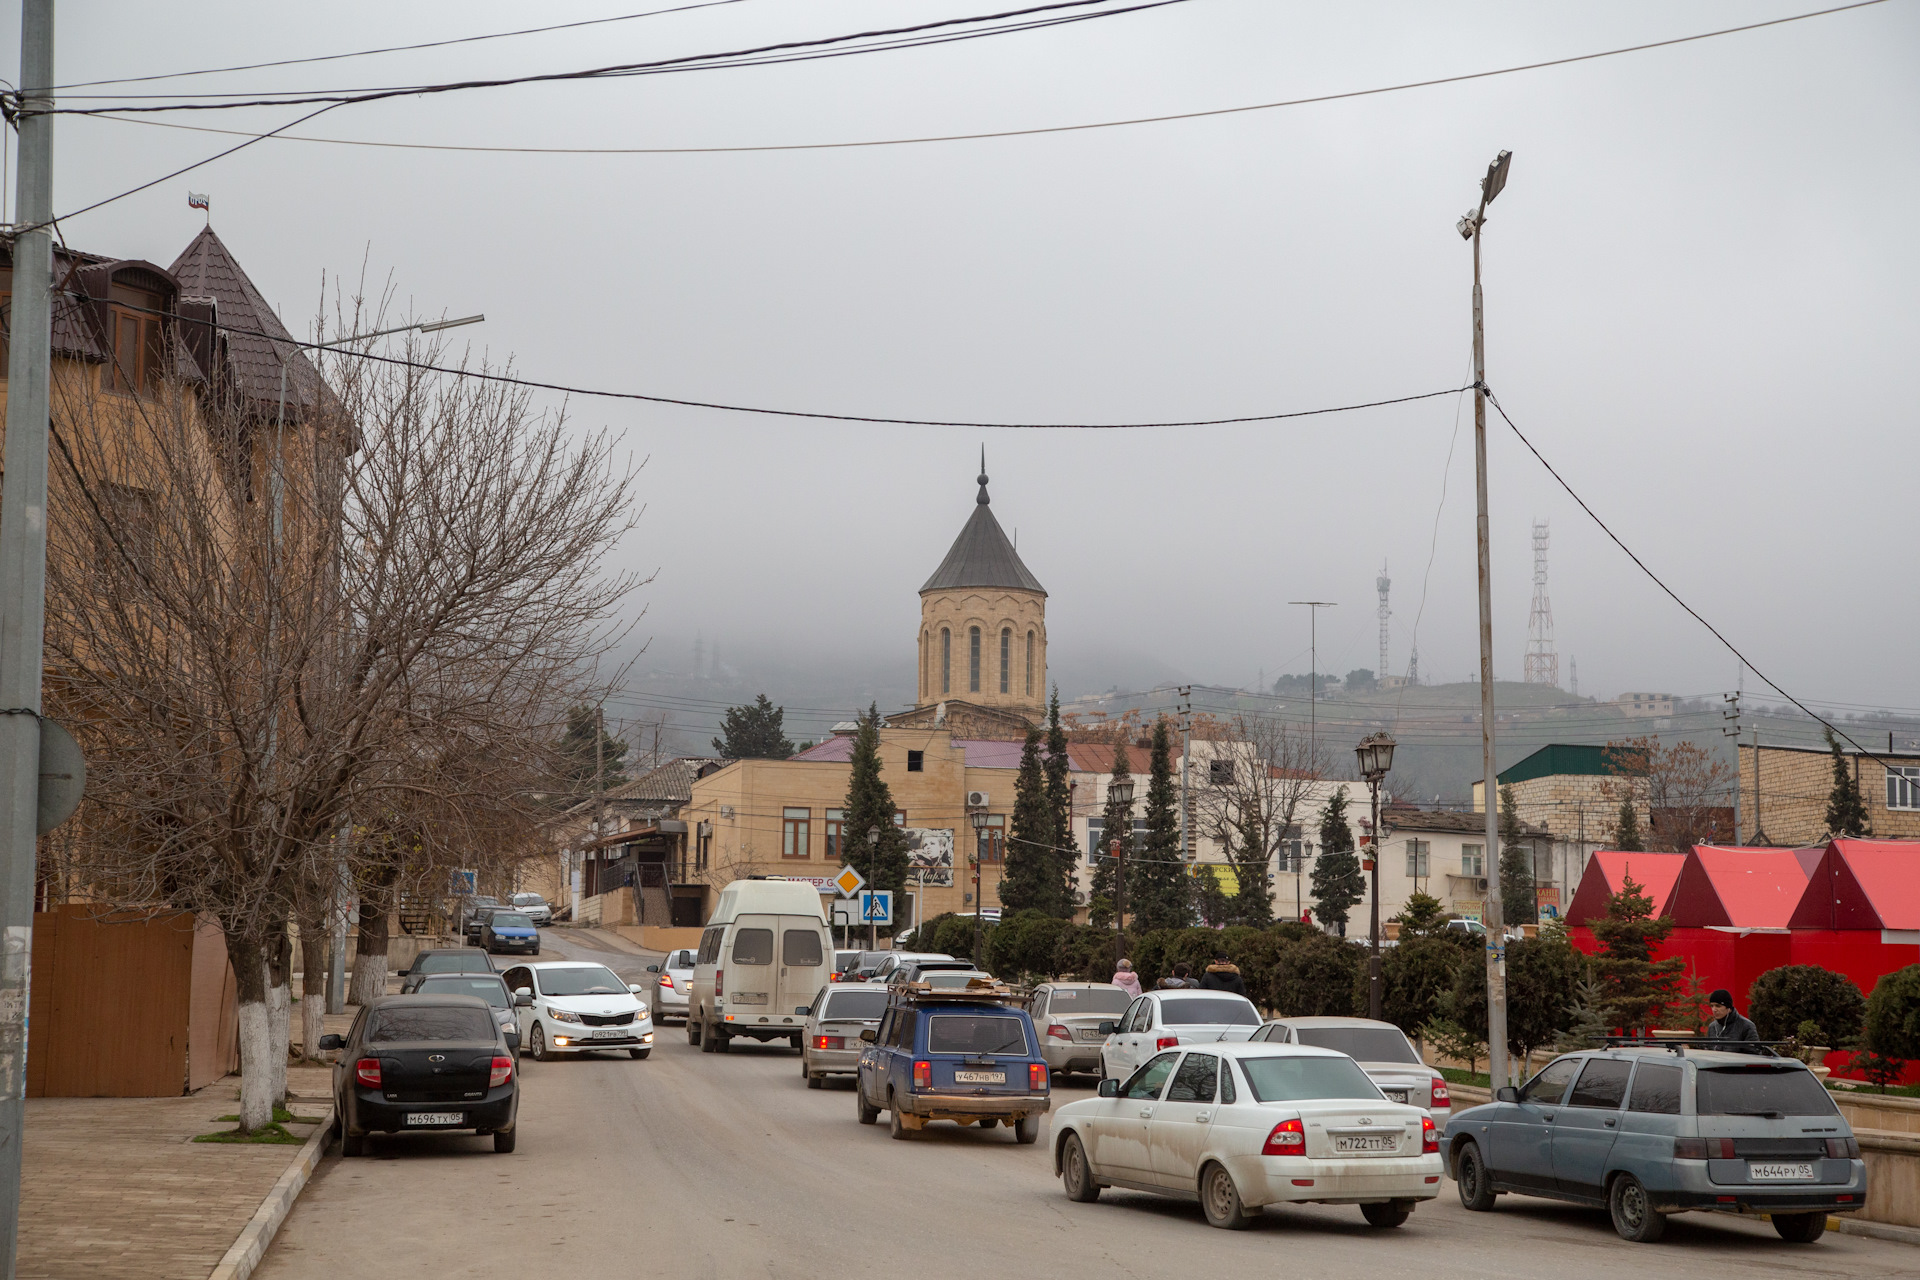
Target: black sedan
[445,960]
[423,1064]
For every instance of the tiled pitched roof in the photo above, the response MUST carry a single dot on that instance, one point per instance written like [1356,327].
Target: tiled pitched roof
[207,269]
[671,782]
[982,556]
[1401,818]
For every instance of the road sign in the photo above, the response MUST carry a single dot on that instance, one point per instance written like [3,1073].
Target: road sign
[849,882]
[876,906]
[843,914]
[63,775]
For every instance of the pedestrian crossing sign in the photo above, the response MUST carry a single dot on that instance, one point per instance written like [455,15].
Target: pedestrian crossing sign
[876,906]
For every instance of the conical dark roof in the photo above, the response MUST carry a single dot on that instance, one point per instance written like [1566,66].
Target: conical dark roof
[257,343]
[982,556]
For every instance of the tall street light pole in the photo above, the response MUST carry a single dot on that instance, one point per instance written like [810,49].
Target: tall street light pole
[1122,792]
[873,868]
[1313,661]
[1470,228]
[979,819]
[1375,754]
[23,586]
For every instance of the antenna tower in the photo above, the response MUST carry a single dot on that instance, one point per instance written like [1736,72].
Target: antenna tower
[1384,583]
[1542,663]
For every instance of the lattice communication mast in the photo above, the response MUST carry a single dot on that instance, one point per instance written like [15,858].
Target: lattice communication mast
[1384,583]
[1542,663]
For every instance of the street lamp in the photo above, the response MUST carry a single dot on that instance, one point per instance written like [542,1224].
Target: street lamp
[979,819]
[1122,792]
[873,869]
[1375,754]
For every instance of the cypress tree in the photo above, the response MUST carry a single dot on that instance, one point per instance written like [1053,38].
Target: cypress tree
[1029,878]
[1159,890]
[1634,985]
[1846,811]
[1337,884]
[1519,896]
[1118,826]
[1253,903]
[1066,854]
[869,804]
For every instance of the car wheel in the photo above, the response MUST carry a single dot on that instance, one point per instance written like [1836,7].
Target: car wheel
[693,1030]
[1388,1213]
[721,1043]
[639,1054]
[1633,1213]
[503,1140]
[709,1041]
[1026,1129]
[1221,1199]
[868,1114]
[795,1042]
[896,1129]
[536,951]
[1470,1177]
[987,1122]
[353,1145]
[1076,1173]
[1800,1228]
[537,1044]
[814,1081]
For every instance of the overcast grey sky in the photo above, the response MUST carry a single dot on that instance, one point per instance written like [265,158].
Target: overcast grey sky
[1701,287]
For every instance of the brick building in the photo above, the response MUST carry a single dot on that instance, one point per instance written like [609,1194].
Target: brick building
[1785,802]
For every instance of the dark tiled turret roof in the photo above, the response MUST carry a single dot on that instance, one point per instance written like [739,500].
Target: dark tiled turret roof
[207,269]
[982,556]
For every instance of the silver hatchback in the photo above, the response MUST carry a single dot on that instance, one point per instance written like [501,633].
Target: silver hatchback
[1068,1016]
[831,1045]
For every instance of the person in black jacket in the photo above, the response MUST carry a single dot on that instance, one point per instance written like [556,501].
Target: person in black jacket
[1223,975]
[1733,1032]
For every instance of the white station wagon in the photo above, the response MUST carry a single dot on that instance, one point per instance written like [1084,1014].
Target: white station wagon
[1237,1126]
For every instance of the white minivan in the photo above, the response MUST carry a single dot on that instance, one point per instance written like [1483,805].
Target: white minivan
[763,960]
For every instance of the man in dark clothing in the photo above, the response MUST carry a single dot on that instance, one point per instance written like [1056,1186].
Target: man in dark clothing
[1223,975]
[1733,1031]
[1178,980]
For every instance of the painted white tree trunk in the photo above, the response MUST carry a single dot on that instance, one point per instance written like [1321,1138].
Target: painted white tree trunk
[369,979]
[280,1015]
[256,1053]
[313,1004]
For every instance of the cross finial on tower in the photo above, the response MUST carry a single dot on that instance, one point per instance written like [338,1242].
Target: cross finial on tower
[983,499]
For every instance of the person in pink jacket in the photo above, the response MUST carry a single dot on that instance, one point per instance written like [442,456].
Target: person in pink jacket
[1126,979]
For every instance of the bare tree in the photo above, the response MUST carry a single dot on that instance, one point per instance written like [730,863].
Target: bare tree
[1686,789]
[376,619]
[1258,773]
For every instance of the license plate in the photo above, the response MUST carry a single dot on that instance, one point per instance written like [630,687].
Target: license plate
[979,1077]
[748,997]
[1395,1095]
[607,1033]
[1780,1172]
[434,1117]
[1365,1142]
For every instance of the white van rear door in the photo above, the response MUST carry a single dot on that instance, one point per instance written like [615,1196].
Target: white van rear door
[804,953]
[748,964]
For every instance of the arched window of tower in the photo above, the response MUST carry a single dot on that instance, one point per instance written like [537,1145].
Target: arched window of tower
[1006,659]
[973,659]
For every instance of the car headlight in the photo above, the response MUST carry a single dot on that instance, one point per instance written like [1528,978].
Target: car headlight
[561,1015]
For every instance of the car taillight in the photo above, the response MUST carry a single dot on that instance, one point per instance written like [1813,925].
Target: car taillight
[1289,1138]
[367,1072]
[666,980]
[1429,1136]
[719,984]
[501,1073]
[1167,1042]
[923,1075]
[829,1042]
[1441,1098]
[1843,1148]
[1037,1076]
[1703,1148]
[1059,1032]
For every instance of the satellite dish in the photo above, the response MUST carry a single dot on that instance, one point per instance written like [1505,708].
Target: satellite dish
[63,775]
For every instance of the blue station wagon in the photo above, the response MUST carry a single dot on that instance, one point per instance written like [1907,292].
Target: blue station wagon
[970,1056]
[1647,1132]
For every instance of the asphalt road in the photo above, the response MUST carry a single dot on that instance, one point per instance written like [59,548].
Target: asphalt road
[692,1165]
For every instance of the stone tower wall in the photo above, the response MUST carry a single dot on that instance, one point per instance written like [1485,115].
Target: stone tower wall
[992,610]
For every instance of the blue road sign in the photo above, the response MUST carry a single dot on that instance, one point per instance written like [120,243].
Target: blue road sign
[876,906]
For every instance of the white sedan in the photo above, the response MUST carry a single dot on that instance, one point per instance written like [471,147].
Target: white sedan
[579,1007]
[1161,1020]
[1244,1125]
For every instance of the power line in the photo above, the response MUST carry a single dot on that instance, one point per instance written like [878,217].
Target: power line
[1028,132]
[398,48]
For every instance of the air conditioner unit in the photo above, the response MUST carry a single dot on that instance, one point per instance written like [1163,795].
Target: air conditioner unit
[726,811]
[1480,885]
[976,799]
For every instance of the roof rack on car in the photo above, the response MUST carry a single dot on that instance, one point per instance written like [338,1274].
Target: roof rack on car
[1677,1045]
[977,991]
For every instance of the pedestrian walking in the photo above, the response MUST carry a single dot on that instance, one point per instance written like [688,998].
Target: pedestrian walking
[1182,976]
[1126,979]
[1223,975]
[1732,1032]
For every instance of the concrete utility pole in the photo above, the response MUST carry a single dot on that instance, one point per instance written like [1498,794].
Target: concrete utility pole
[1732,730]
[1186,752]
[23,588]
[1313,679]
[1470,228]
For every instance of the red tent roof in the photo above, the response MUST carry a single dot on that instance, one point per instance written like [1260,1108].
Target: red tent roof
[1863,884]
[1654,872]
[1745,888]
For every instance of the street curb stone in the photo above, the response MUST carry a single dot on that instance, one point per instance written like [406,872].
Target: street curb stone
[251,1244]
[1878,1230]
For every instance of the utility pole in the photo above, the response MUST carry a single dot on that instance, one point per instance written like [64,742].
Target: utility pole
[1470,228]
[23,588]
[1313,679]
[1120,899]
[1186,752]
[1732,730]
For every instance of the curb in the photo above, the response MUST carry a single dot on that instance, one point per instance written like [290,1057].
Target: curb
[244,1254]
[1877,1230]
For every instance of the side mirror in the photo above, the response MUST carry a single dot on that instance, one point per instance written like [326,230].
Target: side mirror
[804,1011]
[1506,1093]
[523,991]
[1109,1088]
[405,972]
[636,988]
[653,968]
[332,1042]
[1106,1028]
[523,999]
[870,1034]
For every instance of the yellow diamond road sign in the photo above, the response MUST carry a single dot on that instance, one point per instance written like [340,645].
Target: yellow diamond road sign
[848,882]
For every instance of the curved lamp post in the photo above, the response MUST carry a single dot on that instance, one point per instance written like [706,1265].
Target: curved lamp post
[1121,791]
[873,866]
[1375,754]
[979,819]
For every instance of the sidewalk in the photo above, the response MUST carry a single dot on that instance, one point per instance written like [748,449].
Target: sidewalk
[114,1188]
